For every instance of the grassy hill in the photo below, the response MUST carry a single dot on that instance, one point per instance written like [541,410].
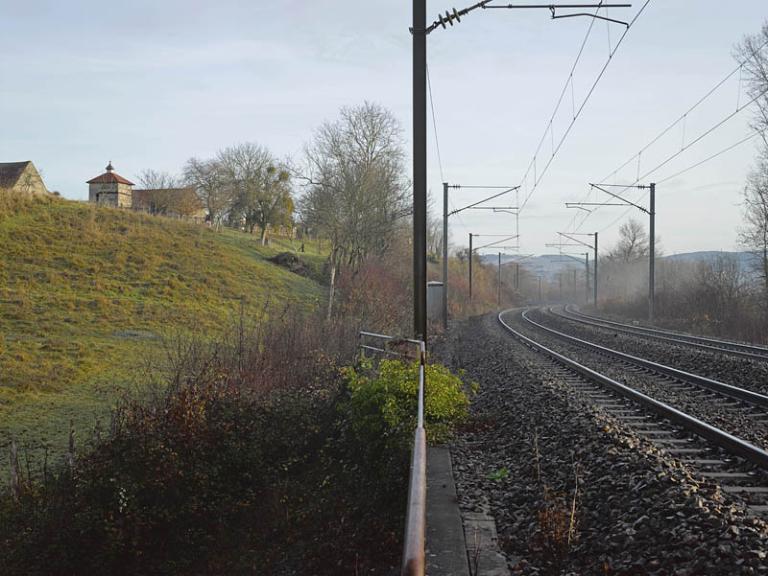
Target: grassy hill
[87,295]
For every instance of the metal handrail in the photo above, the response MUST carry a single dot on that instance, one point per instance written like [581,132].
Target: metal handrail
[414,558]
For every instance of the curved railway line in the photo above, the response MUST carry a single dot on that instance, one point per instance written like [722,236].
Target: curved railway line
[742,350]
[719,430]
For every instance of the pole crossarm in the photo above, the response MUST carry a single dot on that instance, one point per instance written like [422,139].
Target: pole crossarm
[578,206]
[570,237]
[483,201]
[494,208]
[455,15]
[601,187]
[504,239]
[499,248]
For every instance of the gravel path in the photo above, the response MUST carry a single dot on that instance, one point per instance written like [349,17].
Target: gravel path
[531,439]
[741,372]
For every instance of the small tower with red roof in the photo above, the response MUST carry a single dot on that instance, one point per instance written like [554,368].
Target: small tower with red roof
[111,189]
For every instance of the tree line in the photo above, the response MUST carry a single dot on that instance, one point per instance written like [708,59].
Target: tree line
[350,186]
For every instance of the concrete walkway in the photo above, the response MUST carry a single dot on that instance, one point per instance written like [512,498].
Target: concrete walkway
[456,546]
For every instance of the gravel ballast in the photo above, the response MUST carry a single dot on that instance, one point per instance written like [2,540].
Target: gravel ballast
[742,372]
[533,444]
[737,420]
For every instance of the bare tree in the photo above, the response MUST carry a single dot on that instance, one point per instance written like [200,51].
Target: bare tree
[434,238]
[208,179]
[357,189]
[633,243]
[754,234]
[155,180]
[160,187]
[261,186]
[753,55]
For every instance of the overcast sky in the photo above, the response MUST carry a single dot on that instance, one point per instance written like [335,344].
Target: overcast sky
[148,84]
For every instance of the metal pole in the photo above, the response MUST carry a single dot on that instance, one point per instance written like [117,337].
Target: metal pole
[517,276]
[470,266]
[499,279]
[573,288]
[594,265]
[445,255]
[652,263]
[586,279]
[540,300]
[420,169]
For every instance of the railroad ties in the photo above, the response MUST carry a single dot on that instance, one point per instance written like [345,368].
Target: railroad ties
[739,467]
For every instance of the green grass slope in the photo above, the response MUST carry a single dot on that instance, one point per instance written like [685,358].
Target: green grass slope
[87,293]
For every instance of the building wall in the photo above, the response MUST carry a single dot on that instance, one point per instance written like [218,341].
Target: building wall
[30,182]
[111,194]
[105,194]
[124,196]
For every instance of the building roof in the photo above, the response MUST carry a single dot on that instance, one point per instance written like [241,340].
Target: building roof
[10,172]
[109,177]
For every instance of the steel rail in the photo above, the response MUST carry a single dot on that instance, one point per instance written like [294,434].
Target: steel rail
[732,443]
[704,342]
[697,380]
[414,553]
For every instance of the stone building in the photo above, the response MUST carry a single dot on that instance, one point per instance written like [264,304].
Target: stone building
[21,177]
[111,189]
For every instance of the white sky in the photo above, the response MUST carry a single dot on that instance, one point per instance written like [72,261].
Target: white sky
[147,84]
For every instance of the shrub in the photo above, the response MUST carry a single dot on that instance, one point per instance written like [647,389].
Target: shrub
[383,404]
[246,462]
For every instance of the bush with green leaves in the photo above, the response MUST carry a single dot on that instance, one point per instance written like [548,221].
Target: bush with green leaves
[383,402]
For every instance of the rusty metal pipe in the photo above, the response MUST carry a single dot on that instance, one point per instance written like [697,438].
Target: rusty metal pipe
[415,522]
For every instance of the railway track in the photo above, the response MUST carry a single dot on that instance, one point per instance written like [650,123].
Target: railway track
[749,351]
[718,430]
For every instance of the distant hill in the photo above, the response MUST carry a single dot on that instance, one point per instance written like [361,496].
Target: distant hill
[86,293]
[744,258]
[549,266]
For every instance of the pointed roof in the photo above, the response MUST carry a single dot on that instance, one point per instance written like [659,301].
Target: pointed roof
[10,172]
[109,177]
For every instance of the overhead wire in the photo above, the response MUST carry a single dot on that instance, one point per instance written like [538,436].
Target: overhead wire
[676,154]
[751,136]
[666,130]
[540,176]
[434,125]
[437,145]
[569,80]
[712,157]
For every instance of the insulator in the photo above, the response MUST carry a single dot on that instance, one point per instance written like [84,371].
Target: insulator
[449,18]
[456,15]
